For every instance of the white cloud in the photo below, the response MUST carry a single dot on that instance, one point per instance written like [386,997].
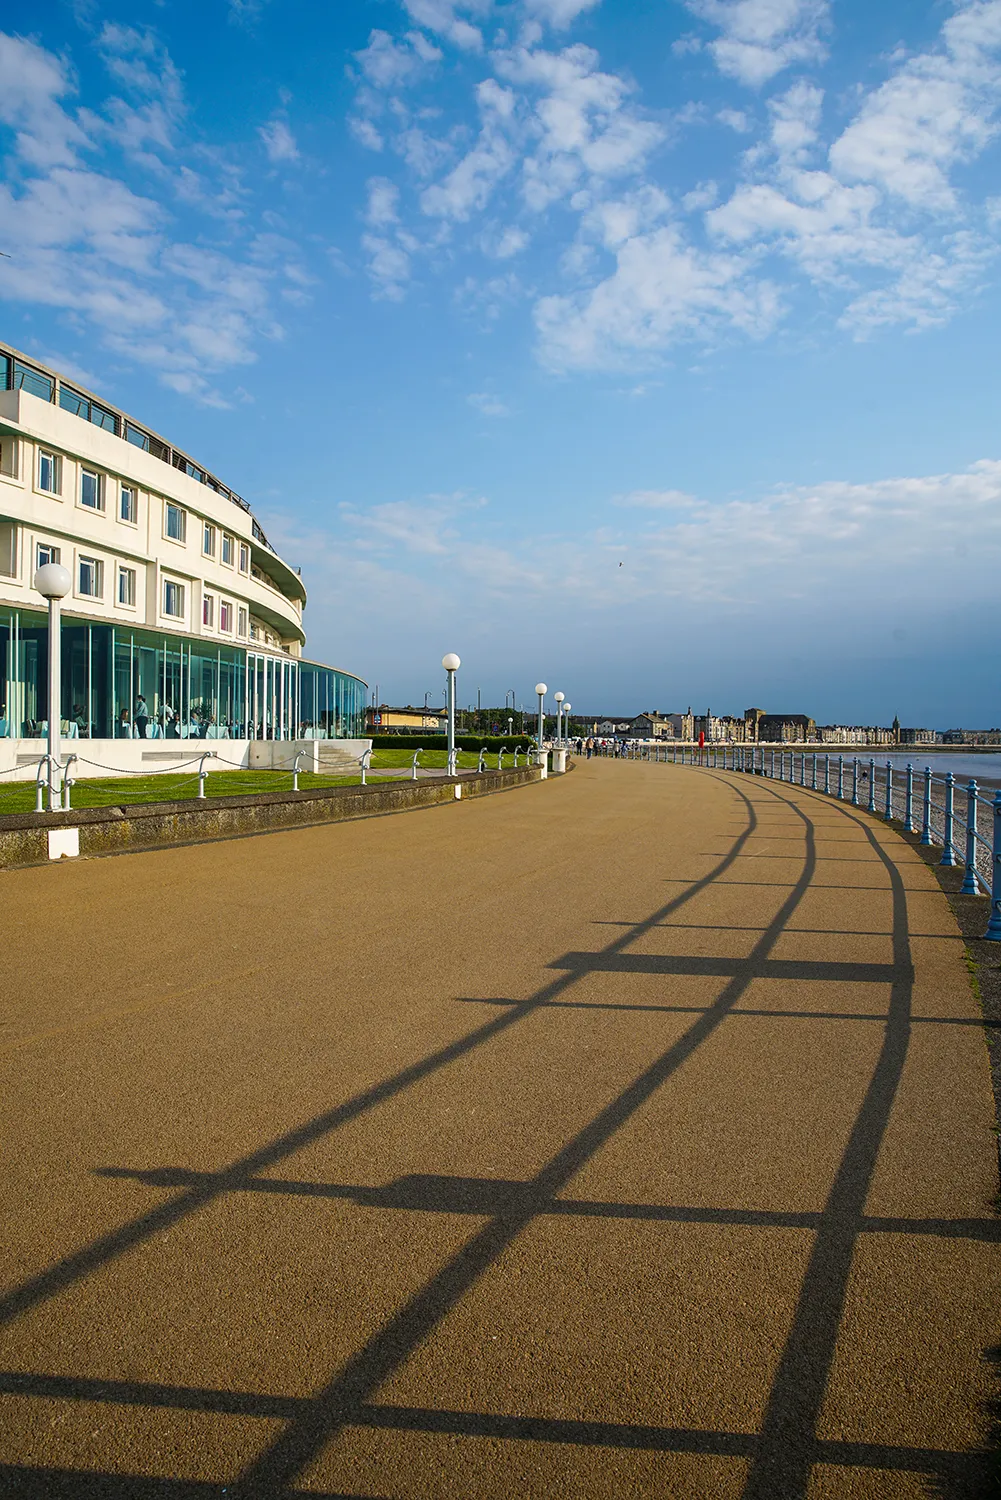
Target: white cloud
[555,128]
[426,529]
[511,242]
[383,197]
[445,18]
[840,224]
[32,82]
[365,133]
[82,240]
[762,37]
[582,122]
[938,109]
[279,142]
[703,196]
[745,564]
[387,63]
[559,13]
[468,187]
[488,405]
[661,291]
[388,266]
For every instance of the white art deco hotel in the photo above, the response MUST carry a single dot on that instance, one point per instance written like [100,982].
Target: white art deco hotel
[182,623]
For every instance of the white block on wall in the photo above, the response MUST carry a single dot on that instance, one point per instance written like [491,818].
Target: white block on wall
[64,843]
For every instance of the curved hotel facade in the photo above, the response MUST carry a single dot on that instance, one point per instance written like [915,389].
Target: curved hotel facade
[182,623]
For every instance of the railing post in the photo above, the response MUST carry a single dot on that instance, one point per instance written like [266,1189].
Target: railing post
[926,811]
[872,784]
[909,801]
[827,774]
[841,778]
[38,784]
[969,886]
[366,761]
[479,763]
[771,765]
[202,773]
[854,781]
[417,755]
[500,758]
[948,851]
[888,813]
[994,925]
[67,783]
[813,778]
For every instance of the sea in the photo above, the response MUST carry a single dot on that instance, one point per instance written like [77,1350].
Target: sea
[984,768]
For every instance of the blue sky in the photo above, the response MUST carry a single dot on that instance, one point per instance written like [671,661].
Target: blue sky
[644,346]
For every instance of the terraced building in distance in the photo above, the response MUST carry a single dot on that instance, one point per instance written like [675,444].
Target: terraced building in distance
[182,623]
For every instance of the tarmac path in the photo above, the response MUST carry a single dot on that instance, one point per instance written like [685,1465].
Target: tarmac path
[629,1134]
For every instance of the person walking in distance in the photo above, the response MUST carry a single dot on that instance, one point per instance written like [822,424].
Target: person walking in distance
[141,717]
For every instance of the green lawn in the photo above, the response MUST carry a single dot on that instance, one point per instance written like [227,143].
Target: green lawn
[112,791]
[467,760]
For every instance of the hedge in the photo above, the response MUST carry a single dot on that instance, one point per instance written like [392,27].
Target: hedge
[432,741]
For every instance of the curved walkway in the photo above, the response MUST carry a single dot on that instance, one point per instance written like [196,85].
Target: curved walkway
[627,1135]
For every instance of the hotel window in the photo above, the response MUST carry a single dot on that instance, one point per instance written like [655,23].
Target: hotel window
[244,558]
[129,508]
[176,522]
[227,550]
[127,586]
[91,577]
[173,598]
[8,458]
[49,475]
[208,609]
[45,553]
[91,489]
[208,540]
[225,617]
[241,617]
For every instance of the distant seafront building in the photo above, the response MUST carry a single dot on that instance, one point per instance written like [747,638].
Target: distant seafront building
[182,622]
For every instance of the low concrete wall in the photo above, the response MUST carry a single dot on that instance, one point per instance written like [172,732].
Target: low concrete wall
[34,838]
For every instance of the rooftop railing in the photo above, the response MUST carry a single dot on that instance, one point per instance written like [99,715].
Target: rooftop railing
[17,374]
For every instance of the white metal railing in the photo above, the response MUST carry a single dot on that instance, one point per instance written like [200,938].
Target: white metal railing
[57,779]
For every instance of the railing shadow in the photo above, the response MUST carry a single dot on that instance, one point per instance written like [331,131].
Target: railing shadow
[781,1454]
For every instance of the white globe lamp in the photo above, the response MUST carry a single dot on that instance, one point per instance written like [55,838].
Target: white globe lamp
[451,663]
[53,582]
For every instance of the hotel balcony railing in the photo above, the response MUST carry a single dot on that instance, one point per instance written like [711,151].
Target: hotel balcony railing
[17,375]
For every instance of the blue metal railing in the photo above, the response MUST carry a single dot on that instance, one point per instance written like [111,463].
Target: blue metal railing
[957,833]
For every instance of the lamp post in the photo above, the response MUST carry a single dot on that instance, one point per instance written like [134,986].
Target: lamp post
[559,717]
[542,690]
[53,582]
[510,725]
[451,663]
[566,722]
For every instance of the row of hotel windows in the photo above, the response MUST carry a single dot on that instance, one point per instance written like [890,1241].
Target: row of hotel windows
[90,584]
[175,526]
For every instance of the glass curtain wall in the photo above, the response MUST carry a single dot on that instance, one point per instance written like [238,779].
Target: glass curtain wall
[124,683]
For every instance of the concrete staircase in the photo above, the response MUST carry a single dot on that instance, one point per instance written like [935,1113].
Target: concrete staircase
[334,759]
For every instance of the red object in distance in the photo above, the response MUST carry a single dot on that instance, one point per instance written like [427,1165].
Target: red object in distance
[702,738]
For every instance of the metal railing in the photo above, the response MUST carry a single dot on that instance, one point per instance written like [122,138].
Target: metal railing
[54,780]
[921,801]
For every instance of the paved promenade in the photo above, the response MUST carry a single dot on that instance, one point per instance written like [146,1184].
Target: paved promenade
[624,1135]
